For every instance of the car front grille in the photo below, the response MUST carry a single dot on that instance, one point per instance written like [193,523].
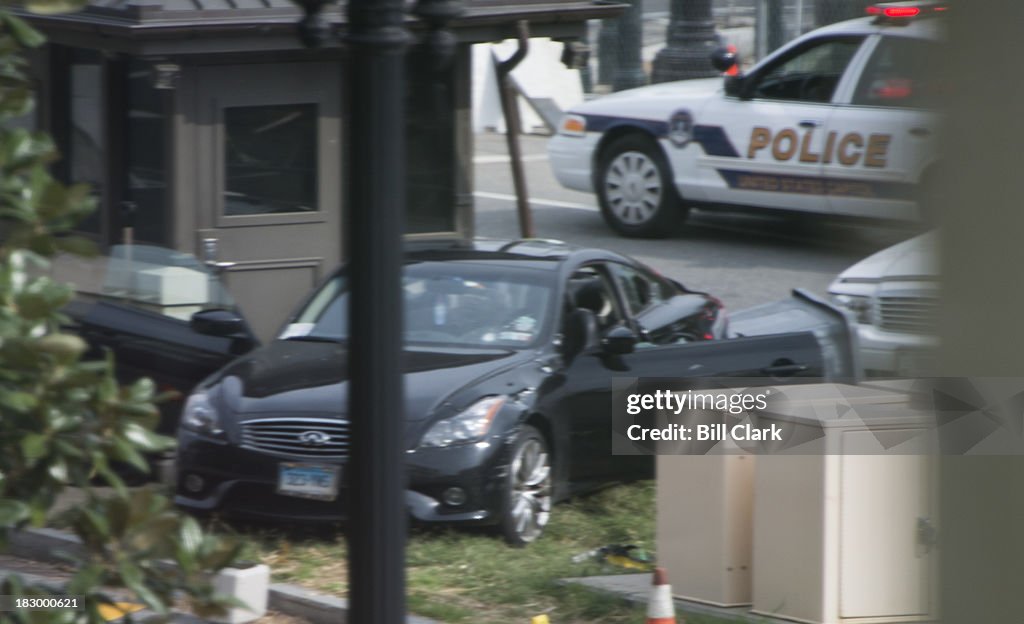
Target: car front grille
[314,438]
[916,315]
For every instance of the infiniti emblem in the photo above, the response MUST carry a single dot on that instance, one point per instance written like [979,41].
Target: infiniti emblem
[314,438]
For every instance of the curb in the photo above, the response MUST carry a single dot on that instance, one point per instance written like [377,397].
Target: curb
[47,545]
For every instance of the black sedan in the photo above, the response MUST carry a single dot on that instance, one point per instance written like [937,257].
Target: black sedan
[510,349]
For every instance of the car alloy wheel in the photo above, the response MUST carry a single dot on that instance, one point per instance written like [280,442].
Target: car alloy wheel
[528,497]
[635,188]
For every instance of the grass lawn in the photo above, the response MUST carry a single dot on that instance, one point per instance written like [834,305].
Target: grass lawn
[472,576]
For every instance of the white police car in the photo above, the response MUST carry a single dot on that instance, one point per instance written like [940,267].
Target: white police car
[839,121]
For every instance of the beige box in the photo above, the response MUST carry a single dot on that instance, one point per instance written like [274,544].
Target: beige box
[705,505]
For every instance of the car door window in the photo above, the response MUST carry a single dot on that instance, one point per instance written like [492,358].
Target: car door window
[808,74]
[640,290]
[589,288]
[897,75]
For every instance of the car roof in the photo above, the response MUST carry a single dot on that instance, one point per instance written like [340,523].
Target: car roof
[924,27]
[534,252]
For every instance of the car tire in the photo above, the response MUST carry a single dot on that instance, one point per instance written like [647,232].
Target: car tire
[527,489]
[635,189]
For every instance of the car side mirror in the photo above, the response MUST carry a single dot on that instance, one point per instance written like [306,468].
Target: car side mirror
[619,340]
[724,58]
[217,322]
[734,86]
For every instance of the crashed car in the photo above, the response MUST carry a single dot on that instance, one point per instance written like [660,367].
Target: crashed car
[510,352]
[840,121]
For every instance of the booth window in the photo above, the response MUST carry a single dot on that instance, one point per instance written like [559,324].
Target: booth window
[270,159]
[86,144]
[110,124]
[430,147]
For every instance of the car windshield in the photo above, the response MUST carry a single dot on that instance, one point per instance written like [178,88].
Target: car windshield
[462,304]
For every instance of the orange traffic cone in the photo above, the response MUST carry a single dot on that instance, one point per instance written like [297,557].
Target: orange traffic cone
[660,609]
[735,69]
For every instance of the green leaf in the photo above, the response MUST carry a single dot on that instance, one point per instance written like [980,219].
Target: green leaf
[22,32]
[50,7]
[17,401]
[133,580]
[125,451]
[191,535]
[147,440]
[65,348]
[33,446]
[12,512]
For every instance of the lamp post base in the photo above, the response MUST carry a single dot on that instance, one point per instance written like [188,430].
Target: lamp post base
[688,53]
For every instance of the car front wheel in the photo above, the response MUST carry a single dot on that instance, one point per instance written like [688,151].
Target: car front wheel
[527,491]
[635,189]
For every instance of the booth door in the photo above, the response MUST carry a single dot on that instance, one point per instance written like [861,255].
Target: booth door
[268,172]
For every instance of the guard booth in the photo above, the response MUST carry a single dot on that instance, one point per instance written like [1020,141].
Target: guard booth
[207,127]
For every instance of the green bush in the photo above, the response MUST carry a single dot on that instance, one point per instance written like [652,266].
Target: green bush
[65,422]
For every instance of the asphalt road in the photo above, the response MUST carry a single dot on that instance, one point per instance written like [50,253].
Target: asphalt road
[744,260]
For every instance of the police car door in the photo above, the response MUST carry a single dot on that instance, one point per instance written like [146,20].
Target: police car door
[774,128]
[888,131]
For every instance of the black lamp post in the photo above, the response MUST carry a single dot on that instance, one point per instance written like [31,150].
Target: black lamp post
[691,38]
[373,227]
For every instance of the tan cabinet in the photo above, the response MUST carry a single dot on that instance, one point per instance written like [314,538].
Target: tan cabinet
[704,526]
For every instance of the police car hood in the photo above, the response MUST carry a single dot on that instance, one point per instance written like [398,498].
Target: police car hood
[662,98]
[914,259]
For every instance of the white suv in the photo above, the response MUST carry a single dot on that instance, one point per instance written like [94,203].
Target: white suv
[839,121]
[894,295]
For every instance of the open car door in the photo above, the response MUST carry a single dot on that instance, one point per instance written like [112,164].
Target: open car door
[166,316]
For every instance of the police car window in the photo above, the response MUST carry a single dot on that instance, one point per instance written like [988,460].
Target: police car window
[810,74]
[897,74]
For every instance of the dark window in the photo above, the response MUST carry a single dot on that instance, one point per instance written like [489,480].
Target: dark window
[270,159]
[897,74]
[430,146]
[808,74]
[86,147]
[145,155]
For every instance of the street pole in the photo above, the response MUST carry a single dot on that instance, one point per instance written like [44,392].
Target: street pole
[629,70]
[373,227]
[691,38]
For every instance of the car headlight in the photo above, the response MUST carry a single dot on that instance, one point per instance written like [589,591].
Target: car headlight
[573,125]
[858,304]
[199,415]
[469,425]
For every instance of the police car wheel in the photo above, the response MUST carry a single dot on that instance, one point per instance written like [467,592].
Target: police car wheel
[635,190]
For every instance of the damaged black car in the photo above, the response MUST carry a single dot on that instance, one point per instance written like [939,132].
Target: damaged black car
[510,349]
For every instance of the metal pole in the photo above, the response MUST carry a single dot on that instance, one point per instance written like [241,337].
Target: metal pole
[629,71]
[374,226]
[691,38]
[510,109]
[607,51]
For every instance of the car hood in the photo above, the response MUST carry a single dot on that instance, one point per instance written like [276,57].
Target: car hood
[913,259]
[304,378]
[658,100]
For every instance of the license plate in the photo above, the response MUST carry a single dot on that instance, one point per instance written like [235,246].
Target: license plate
[317,481]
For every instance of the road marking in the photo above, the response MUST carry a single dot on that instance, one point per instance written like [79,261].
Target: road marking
[490,159]
[554,203]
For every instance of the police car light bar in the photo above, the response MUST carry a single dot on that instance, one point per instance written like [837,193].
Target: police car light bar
[905,10]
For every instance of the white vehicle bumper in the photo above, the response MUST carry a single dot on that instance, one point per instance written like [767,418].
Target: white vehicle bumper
[896,352]
[571,159]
